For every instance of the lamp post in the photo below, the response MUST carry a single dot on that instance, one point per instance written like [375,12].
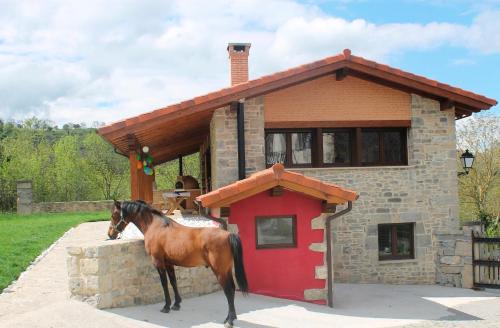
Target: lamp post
[467,160]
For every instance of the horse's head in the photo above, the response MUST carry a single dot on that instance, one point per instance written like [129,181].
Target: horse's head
[117,223]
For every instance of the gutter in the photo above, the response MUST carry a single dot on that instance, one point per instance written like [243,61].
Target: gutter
[329,250]
[240,124]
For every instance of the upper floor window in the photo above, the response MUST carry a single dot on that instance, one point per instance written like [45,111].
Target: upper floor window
[383,147]
[336,147]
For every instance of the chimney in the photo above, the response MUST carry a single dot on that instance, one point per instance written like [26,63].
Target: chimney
[238,59]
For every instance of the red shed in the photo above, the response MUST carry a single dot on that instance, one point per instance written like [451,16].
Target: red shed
[280,216]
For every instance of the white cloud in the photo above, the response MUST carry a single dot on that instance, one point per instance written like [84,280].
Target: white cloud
[107,60]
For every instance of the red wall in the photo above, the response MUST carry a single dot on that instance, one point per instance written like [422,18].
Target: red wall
[280,272]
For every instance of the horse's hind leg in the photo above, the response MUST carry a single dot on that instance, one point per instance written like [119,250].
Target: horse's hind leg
[164,284]
[227,283]
[173,282]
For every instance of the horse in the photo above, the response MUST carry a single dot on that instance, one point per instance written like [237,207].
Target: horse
[170,243]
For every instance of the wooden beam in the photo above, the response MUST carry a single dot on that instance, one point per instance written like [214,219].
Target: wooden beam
[341,73]
[338,124]
[446,104]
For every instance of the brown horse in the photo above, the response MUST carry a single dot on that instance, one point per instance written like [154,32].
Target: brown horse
[170,243]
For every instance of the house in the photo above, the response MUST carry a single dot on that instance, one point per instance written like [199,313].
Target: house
[344,120]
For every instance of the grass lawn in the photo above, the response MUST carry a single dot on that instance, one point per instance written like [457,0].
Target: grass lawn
[24,237]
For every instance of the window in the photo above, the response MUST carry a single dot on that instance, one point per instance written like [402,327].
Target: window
[395,241]
[291,147]
[336,147]
[301,148]
[276,231]
[383,146]
[275,148]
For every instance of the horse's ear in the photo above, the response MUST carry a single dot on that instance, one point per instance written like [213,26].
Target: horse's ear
[117,203]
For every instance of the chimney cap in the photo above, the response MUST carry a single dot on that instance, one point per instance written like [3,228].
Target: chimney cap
[238,45]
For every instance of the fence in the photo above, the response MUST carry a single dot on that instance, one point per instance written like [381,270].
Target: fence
[486,261]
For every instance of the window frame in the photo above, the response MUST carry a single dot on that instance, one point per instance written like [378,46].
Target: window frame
[271,246]
[288,143]
[394,241]
[381,154]
[320,146]
[355,139]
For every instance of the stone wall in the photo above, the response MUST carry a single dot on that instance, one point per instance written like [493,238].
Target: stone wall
[224,142]
[25,203]
[454,260]
[78,206]
[223,147]
[119,273]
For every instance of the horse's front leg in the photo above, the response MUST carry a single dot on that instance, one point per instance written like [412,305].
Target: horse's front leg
[164,284]
[173,282]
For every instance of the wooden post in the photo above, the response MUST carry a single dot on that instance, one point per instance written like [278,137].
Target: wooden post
[134,190]
[147,189]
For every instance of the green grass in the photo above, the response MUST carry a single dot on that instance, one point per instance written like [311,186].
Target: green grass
[24,237]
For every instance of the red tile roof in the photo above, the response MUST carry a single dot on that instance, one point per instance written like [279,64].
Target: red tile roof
[273,177]
[199,109]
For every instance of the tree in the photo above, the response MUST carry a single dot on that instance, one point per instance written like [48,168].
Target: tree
[108,170]
[480,189]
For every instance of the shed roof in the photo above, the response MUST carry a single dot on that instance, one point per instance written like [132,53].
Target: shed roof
[179,129]
[273,177]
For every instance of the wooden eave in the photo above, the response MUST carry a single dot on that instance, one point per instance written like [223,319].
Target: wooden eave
[163,129]
[273,177]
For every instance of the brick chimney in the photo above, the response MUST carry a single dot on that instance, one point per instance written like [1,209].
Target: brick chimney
[238,59]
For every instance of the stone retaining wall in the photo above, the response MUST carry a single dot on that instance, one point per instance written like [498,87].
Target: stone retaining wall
[25,203]
[77,206]
[119,273]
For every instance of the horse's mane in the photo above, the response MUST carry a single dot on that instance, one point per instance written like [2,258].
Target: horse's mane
[140,207]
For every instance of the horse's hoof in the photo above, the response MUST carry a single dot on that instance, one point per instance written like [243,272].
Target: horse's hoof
[166,309]
[228,325]
[176,307]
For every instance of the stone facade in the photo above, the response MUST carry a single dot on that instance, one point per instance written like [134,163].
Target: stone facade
[320,272]
[424,192]
[454,261]
[224,142]
[224,147]
[119,273]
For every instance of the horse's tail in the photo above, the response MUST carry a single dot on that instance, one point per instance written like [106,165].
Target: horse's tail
[239,269]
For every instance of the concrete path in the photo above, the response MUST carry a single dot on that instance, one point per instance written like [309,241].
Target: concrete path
[40,299]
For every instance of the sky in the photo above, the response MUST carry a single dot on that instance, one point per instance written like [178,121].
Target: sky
[102,61]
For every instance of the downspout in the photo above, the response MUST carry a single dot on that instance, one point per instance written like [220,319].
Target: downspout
[240,124]
[181,171]
[329,250]
[206,213]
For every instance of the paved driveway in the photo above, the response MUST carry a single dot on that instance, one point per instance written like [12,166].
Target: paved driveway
[40,299]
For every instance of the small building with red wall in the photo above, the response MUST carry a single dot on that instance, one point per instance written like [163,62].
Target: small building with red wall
[280,217]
